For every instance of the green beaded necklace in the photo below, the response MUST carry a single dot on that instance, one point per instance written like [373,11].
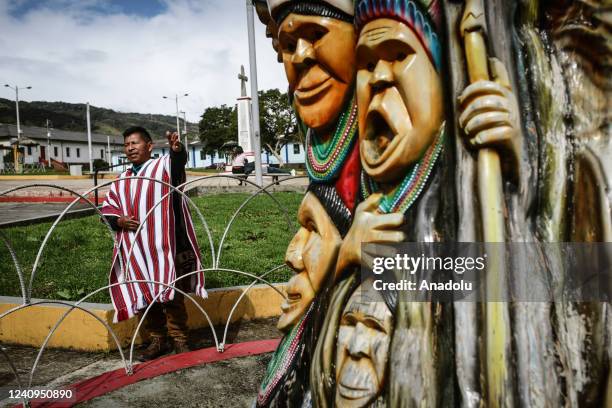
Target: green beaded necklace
[324,160]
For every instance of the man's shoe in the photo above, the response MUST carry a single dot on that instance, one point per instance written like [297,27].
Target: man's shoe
[181,346]
[158,347]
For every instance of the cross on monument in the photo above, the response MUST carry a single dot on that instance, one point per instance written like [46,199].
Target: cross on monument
[243,80]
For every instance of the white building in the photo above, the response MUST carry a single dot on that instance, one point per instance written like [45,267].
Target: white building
[61,145]
[71,148]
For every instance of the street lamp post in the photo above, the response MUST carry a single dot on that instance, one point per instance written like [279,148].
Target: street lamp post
[176,98]
[16,147]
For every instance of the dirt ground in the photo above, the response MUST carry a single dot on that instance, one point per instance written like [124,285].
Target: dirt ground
[225,383]
[229,383]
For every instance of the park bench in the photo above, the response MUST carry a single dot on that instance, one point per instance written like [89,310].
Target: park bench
[275,176]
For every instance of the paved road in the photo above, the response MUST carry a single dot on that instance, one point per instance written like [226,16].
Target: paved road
[10,212]
[84,185]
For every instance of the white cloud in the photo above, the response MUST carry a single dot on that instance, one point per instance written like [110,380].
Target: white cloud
[125,62]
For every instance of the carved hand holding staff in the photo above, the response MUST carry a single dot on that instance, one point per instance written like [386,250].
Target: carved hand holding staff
[491,197]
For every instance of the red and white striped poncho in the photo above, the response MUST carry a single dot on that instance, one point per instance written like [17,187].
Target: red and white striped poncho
[154,248]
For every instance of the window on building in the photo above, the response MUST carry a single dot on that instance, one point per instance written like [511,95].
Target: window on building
[102,153]
[296,148]
[67,152]
[55,151]
[78,152]
[202,155]
[156,155]
[29,150]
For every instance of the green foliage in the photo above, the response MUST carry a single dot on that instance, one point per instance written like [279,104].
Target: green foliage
[277,120]
[71,116]
[99,163]
[77,258]
[217,126]
[278,126]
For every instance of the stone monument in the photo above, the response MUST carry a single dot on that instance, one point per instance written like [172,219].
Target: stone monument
[244,114]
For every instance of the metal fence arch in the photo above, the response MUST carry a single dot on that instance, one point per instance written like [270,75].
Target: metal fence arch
[182,189]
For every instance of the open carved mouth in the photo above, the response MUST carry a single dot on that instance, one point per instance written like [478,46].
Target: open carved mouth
[291,301]
[378,132]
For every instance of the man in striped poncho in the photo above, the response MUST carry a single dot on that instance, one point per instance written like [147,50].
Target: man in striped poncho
[157,248]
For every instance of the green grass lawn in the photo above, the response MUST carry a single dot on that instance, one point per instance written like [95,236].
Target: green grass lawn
[45,172]
[77,257]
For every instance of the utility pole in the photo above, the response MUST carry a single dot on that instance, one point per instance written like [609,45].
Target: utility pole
[16,146]
[48,143]
[110,157]
[256,142]
[178,123]
[185,135]
[91,169]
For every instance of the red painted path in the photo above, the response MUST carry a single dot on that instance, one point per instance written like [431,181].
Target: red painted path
[113,380]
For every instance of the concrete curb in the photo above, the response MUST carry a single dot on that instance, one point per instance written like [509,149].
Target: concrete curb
[80,331]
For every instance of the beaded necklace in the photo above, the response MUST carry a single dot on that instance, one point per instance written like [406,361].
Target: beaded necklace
[412,185]
[281,360]
[323,161]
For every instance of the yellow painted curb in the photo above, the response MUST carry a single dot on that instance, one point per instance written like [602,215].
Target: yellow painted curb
[201,173]
[80,331]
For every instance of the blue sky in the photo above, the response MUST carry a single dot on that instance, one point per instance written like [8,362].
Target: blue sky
[141,8]
[126,55]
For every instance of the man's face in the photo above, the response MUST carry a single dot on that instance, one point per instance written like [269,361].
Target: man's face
[137,149]
[312,255]
[319,58]
[399,97]
[361,349]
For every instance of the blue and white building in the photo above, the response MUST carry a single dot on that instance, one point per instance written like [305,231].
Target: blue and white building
[292,153]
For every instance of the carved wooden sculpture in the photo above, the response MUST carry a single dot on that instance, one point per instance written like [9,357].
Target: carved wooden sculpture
[362,349]
[401,99]
[316,43]
[312,256]
[432,108]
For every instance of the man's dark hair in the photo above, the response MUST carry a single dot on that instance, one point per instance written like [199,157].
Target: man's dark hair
[146,136]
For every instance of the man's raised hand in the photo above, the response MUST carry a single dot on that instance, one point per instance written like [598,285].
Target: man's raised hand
[173,141]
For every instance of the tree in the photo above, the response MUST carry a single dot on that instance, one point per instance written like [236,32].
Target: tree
[218,125]
[278,124]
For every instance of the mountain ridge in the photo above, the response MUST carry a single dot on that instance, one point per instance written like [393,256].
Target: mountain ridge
[71,116]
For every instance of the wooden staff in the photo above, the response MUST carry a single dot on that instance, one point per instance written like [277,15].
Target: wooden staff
[490,194]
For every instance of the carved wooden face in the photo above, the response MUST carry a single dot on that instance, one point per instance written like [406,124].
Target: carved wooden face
[399,96]
[361,349]
[312,255]
[319,58]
